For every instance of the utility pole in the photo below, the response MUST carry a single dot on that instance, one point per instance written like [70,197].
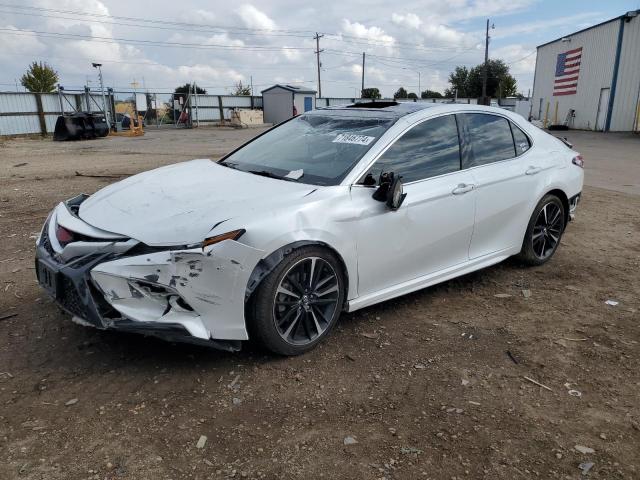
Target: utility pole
[362,90]
[104,99]
[419,86]
[486,66]
[318,37]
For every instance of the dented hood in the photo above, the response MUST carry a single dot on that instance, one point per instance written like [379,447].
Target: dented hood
[179,204]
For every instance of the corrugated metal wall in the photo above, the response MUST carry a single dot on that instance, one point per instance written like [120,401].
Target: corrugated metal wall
[19,110]
[596,70]
[625,107]
[599,46]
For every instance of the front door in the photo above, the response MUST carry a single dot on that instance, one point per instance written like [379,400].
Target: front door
[432,229]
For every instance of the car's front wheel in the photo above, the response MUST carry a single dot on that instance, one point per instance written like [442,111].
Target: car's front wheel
[299,302]
[544,231]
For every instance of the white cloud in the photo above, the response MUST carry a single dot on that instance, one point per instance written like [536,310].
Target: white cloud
[198,16]
[410,20]
[373,34]
[290,54]
[254,18]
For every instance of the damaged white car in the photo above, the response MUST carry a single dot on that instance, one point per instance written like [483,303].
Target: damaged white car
[331,211]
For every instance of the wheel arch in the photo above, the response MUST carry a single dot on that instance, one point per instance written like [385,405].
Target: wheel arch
[265,266]
[565,202]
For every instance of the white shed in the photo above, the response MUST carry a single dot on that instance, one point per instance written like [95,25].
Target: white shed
[281,101]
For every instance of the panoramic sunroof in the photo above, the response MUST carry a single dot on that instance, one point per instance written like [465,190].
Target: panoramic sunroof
[373,105]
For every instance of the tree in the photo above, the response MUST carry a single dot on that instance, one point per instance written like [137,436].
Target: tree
[412,95]
[371,93]
[430,94]
[400,93]
[40,78]
[187,88]
[468,83]
[458,79]
[241,89]
[508,87]
[497,72]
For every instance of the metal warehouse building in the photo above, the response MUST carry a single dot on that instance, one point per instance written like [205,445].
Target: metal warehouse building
[591,78]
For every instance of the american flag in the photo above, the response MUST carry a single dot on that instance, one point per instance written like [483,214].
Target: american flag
[567,72]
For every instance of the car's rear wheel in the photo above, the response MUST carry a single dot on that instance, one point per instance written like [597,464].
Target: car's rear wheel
[544,231]
[299,302]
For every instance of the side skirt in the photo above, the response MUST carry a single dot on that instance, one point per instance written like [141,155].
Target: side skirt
[430,279]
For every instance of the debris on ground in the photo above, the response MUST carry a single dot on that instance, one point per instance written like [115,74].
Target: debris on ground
[584,450]
[537,383]
[73,401]
[585,467]
[502,295]
[202,441]
[349,440]
[8,315]
[613,303]
[513,359]
[526,293]
[410,451]
[372,336]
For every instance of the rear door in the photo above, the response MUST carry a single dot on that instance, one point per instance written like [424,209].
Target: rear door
[506,171]
[432,229]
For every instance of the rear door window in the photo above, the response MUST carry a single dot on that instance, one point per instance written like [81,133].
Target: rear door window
[429,149]
[490,137]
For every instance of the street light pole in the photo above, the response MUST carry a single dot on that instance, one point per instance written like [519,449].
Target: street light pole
[104,99]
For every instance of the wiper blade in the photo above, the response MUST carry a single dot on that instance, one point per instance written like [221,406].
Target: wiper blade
[265,173]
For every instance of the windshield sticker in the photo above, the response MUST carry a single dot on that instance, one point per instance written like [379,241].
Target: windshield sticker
[295,174]
[353,138]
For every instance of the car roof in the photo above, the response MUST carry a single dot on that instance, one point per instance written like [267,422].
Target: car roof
[396,110]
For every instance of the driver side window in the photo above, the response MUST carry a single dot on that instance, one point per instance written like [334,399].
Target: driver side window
[428,149]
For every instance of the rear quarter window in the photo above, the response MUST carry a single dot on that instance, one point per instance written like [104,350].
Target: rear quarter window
[520,139]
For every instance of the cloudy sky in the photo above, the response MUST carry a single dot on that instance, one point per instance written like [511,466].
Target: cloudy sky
[161,44]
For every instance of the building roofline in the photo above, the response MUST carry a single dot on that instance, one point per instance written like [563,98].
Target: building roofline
[289,88]
[625,15]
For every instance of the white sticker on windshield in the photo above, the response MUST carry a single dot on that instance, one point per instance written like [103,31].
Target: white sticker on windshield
[353,138]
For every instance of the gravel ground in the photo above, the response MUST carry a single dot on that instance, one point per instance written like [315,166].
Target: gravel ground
[430,385]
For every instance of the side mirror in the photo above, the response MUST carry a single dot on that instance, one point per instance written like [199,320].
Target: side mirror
[390,190]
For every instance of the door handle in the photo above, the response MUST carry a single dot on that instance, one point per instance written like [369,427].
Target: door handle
[463,188]
[533,170]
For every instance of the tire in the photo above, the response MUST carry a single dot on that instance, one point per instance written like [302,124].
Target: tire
[543,234]
[291,311]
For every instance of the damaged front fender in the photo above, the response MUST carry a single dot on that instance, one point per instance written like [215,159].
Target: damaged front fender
[201,289]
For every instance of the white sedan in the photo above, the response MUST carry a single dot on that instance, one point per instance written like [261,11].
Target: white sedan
[334,210]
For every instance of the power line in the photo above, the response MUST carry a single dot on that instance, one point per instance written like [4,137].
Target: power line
[150,43]
[211,28]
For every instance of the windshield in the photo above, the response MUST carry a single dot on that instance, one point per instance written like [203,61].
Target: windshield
[315,149]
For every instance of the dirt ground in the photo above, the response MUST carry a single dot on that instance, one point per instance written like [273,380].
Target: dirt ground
[431,385]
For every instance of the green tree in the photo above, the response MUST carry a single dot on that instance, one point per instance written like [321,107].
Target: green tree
[497,72]
[430,94]
[241,89]
[187,88]
[508,87]
[401,93]
[40,78]
[458,79]
[412,95]
[371,93]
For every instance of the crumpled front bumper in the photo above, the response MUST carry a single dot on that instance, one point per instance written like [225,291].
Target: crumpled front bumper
[195,295]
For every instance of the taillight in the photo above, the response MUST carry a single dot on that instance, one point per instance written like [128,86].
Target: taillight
[578,160]
[63,235]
